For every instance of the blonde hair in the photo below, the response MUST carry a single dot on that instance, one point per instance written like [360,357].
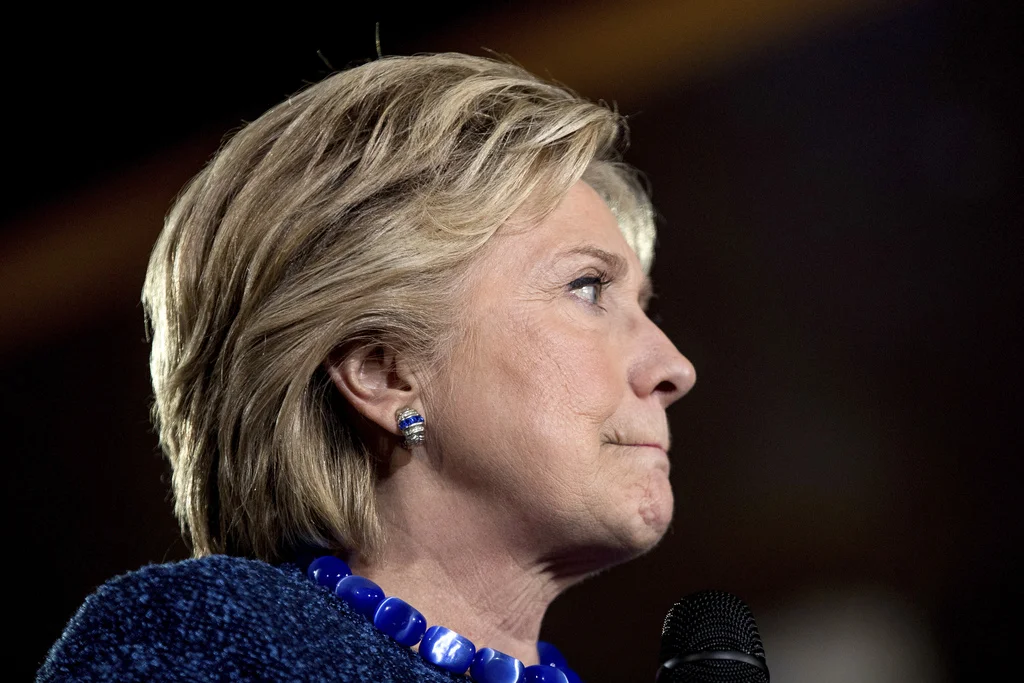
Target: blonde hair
[343,216]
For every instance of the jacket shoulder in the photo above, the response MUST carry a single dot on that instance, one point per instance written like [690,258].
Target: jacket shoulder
[220,615]
[225,618]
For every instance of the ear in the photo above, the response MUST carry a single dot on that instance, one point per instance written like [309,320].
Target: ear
[377,382]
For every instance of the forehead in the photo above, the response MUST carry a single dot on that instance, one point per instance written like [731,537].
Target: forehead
[581,219]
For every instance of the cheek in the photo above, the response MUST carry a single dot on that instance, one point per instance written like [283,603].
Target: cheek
[562,374]
[530,401]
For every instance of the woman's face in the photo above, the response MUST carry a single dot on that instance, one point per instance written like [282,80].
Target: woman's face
[555,422]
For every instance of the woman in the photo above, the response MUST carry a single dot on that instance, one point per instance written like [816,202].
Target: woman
[399,321]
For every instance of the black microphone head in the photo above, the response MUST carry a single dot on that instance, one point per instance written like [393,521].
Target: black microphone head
[711,637]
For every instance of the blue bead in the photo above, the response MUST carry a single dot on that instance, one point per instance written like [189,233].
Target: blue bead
[543,673]
[550,655]
[491,666]
[447,649]
[361,594]
[409,421]
[400,620]
[327,571]
[570,675]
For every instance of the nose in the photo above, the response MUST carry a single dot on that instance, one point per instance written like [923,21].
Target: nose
[659,368]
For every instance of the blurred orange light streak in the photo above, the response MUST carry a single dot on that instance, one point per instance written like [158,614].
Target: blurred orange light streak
[67,264]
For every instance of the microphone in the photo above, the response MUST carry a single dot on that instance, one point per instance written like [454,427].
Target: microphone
[711,637]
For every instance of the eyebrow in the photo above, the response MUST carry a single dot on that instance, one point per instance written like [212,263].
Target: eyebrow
[616,264]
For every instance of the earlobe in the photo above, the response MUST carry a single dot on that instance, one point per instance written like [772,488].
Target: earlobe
[376,382]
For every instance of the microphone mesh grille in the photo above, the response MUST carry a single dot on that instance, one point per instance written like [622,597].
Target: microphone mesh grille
[714,671]
[712,621]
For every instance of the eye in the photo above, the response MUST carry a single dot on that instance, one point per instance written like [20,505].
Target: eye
[589,287]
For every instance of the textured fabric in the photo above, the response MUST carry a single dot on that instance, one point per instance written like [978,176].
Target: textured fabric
[226,619]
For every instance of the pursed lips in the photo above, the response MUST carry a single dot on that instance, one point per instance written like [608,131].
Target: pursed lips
[662,460]
[640,445]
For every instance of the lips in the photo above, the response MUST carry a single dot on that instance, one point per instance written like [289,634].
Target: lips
[661,459]
[649,444]
[642,436]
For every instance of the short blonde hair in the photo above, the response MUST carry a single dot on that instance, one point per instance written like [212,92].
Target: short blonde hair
[343,216]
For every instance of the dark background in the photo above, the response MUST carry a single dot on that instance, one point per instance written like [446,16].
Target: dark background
[840,255]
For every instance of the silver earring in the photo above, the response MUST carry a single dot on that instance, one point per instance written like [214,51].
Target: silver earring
[413,427]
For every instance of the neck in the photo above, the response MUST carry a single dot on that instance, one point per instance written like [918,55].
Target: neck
[449,557]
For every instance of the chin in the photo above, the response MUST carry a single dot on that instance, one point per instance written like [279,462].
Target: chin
[650,516]
[631,523]
[655,511]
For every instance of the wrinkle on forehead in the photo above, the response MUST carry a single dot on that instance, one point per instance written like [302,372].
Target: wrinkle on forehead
[588,208]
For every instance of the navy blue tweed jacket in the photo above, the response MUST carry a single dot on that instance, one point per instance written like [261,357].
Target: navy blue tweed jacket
[226,619]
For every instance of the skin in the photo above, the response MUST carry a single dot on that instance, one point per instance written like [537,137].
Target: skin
[546,456]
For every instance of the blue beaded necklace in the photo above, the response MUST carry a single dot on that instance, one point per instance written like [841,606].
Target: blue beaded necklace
[440,646]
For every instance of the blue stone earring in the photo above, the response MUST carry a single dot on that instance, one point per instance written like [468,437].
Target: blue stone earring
[413,427]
